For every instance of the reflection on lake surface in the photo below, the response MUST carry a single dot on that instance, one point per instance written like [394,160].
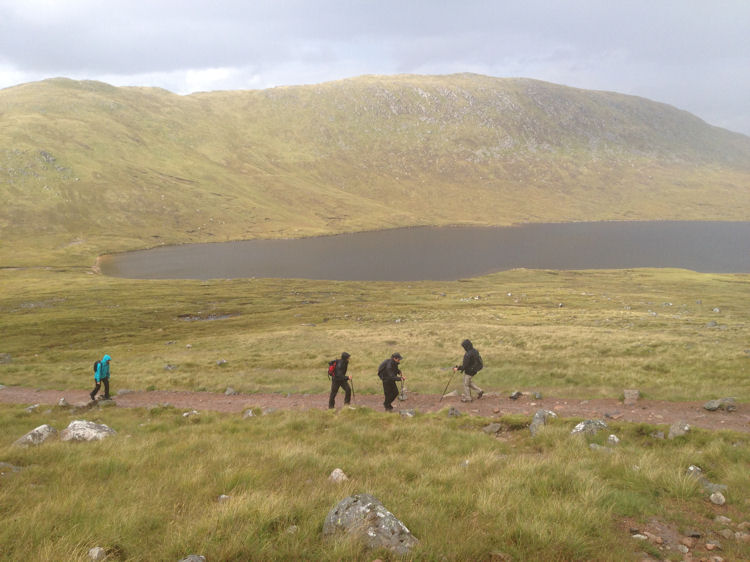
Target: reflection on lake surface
[449,253]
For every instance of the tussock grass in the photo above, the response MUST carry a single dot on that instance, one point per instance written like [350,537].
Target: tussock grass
[151,491]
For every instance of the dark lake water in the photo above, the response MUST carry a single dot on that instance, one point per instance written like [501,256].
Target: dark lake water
[449,253]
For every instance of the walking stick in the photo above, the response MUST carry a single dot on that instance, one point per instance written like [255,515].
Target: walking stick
[446,386]
[351,383]
[402,396]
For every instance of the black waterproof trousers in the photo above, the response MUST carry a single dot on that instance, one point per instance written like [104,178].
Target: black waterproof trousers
[390,391]
[335,385]
[98,386]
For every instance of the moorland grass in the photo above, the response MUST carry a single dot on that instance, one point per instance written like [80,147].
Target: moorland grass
[151,491]
[673,334]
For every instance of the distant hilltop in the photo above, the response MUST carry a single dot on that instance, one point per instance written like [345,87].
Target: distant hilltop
[88,165]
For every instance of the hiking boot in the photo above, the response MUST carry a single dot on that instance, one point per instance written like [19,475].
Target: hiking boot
[481,393]
[92,397]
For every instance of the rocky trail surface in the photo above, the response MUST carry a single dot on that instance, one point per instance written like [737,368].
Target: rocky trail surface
[490,405]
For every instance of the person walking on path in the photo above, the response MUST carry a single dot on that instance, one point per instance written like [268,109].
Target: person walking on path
[339,379]
[389,373]
[101,375]
[471,365]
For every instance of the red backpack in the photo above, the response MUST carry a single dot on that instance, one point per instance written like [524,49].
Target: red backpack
[332,367]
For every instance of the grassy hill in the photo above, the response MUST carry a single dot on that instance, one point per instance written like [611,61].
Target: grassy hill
[87,168]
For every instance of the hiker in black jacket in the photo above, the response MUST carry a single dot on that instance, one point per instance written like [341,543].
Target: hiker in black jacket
[340,379]
[389,373]
[471,365]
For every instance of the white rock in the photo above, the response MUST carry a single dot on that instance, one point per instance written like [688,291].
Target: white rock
[97,553]
[718,498]
[338,476]
[36,436]
[81,430]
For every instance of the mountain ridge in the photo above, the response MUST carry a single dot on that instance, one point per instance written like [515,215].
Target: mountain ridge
[106,168]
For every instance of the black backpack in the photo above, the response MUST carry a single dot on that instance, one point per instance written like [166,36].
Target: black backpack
[96,365]
[478,363]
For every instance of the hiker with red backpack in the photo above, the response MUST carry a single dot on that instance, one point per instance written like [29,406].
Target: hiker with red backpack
[339,379]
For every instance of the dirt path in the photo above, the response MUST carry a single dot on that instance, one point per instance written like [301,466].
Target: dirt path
[648,411]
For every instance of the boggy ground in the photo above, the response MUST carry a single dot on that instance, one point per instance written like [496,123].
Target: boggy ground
[492,404]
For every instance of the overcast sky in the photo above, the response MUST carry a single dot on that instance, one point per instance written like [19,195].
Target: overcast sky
[693,54]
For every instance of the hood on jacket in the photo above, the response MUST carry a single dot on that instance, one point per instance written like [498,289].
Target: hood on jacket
[466,344]
[106,358]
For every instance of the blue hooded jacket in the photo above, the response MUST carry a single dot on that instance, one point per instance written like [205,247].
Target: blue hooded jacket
[102,371]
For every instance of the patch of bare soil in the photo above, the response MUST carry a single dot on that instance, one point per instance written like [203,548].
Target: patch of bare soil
[490,405]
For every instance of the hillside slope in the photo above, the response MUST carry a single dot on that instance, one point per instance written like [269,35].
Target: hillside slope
[87,168]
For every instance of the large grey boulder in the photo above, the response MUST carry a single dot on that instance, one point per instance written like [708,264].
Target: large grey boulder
[81,430]
[364,518]
[36,436]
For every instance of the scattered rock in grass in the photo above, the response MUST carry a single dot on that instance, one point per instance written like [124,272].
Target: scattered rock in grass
[230,391]
[708,486]
[223,498]
[727,404]
[364,518]
[248,413]
[631,397]
[190,414]
[492,428]
[613,440]
[408,413]
[97,553]
[221,362]
[292,530]
[32,408]
[62,403]
[82,430]
[678,429]
[597,447]
[36,436]
[453,412]
[338,476]
[540,419]
[589,427]
[515,395]
[717,498]
[194,558]
[657,435]
[7,468]
[722,520]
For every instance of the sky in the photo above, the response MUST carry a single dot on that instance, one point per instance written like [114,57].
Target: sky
[692,54]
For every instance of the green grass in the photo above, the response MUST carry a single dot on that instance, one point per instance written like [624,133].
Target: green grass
[655,330]
[151,491]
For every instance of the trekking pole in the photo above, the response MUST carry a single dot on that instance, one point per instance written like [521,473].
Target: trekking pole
[351,383]
[446,386]
[402,396]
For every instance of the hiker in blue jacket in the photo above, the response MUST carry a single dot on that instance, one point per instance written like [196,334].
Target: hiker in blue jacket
[101,375]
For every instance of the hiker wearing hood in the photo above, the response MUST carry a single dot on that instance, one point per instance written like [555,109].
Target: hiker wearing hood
[389,373]
[471,365]
[101,375]
[339,379]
